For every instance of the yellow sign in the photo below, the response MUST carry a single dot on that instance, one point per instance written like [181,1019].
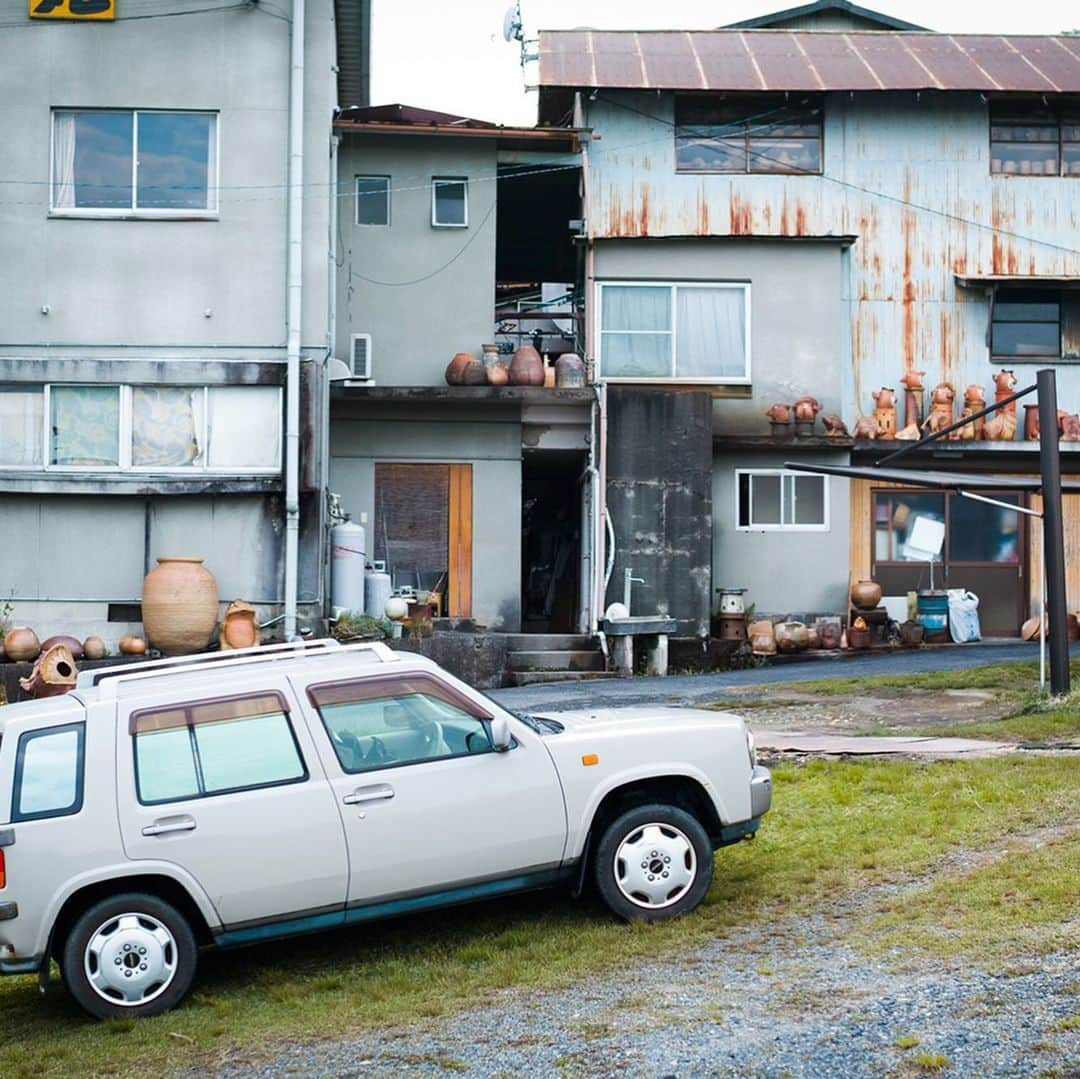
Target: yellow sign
[72,9]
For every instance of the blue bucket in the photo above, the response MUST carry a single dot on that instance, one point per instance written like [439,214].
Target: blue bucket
[932,610]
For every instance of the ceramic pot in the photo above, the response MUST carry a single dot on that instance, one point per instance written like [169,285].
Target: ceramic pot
[179,606]
[806,408]
[21,644]
[830,633]
[866,595]
[527,367]
[455,370]
[498,374]
[73,645]
[569,371]
[473,373]
[132,646]
[858,639]
[94,648]
[912,633]
[791,636]
[491,354]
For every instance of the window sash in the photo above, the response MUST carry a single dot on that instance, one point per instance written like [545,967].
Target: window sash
[63,181]
[437,184]
[1033,142]
[1026,325]
[788,508]
[27,740]
[376,196]
[208,456]
[671,333]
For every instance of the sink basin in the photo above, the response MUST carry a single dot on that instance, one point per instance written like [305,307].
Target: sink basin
[638,624]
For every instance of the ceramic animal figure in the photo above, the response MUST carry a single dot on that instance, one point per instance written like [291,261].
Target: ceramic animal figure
[779,413]
[834,426]
[885,412]
[969,432]
[1000,426]
[910,433]
[1070,428]
[1004,384]
[865,427]
[975,401]
[941,402]
[912,381]
[806,409]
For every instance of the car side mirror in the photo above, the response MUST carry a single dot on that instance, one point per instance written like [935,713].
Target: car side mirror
[500,734]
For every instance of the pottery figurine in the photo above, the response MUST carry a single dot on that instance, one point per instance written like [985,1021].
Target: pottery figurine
[527,367]
[885,412]
[1004,384]
[834,426]
[239,628]
[912,380]
[1031,423]
[1070,428]
[779,413]
[865,427]
[941,407]
[179,605]
[806,409]
[865,594]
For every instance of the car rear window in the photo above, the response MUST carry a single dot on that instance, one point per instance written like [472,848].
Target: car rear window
[214,747]
[49,773]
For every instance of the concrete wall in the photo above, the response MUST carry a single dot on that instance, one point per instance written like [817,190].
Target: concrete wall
[488,439]
[785,572]
[416,328]
[796,314]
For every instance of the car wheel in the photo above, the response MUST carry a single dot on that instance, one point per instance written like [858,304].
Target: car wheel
[130,955]
[653,862]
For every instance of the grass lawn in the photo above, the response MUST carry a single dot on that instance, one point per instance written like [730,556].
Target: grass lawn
[836,827]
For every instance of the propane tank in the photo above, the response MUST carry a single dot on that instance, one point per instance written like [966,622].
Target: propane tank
[376,590]
[347,559]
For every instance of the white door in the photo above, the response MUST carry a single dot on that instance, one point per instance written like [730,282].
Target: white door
[429,806]
[232,790]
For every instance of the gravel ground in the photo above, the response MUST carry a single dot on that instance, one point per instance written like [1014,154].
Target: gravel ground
[787,999]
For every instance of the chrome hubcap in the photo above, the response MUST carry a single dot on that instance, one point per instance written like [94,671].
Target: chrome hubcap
[655,865]
[130,959]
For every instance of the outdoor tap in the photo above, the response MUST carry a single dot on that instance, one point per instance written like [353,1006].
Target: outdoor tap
[628,581]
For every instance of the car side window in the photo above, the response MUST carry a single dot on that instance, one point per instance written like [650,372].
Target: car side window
[385,722]
[49,773]
[214,747]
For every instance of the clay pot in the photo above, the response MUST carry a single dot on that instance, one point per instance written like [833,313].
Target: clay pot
[491,354]
[911,633]
[133,646]
[498,374]
[21,644]
[179,605]
[858,639]
[94,648]
[791,636]
[866,595]
[73,645]
[806,408]
[814,639]
[239,627]
[455,370]
[474,373]
[830,633]
[1031,423]
[527,367]
[1073,627]
[762,638]
[569,371]
[779,413]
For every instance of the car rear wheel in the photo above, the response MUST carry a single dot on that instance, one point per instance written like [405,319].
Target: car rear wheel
[129,955]
[653,862]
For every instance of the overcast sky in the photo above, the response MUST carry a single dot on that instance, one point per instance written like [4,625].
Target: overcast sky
[452,56]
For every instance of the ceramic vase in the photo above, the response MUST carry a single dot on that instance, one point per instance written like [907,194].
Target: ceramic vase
[179,605]
[527,367]
[866,595]
[569,371]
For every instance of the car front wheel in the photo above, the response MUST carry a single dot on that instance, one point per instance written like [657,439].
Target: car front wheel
[129,955]
[653,862]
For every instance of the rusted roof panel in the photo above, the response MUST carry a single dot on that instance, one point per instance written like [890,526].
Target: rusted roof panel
[807,60]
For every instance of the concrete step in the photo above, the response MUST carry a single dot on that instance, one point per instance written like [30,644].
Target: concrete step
[544,642]
[551,660]
[532,678]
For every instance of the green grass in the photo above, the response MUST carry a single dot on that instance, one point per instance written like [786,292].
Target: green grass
[836,827]
[930,1062]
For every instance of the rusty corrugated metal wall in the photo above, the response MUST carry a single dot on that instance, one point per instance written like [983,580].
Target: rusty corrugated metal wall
[891,153]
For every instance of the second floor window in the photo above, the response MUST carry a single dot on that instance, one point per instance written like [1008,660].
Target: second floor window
[748,133]
[1026,140]
[450,202]
[373,200]
[125,162]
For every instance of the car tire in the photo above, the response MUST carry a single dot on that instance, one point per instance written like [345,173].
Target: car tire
[130,955]
[653,862]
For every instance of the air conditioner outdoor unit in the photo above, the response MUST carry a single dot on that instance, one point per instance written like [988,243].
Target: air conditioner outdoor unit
[360,357]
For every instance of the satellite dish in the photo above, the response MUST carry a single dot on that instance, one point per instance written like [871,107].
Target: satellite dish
[512,24]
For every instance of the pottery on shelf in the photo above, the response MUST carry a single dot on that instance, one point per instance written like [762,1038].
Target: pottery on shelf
[239,628]
[569,371]
[473,372]
[527,367]
[865,595]
[179,605]
[455,370]
[791,636]
[72,644]
[21,644]
[498,374]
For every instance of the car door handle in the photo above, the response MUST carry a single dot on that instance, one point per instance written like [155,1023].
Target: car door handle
[380,792]
[167,825]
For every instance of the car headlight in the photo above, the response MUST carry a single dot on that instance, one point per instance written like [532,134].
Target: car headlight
[751,748]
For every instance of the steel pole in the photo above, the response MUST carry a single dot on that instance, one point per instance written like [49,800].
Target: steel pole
[1053,532]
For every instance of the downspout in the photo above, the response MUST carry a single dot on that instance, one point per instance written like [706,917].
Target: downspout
[294,268]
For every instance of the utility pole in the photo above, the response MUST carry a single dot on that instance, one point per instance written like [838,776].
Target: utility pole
[1053,532]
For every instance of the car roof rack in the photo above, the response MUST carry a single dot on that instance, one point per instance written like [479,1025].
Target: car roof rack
[109,678]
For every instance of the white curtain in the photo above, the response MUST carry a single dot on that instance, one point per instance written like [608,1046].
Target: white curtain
[245,427]
[635,326]
[711,333]
[63,160]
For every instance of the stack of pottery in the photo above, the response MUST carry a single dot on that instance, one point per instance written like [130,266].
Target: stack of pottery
[732,614]
[865,598]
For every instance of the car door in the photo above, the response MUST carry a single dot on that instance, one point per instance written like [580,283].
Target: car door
[429,805]
[231,789]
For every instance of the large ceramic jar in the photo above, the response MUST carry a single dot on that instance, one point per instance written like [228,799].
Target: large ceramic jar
[179,605]
[569,371]
[527,367]
[866,595]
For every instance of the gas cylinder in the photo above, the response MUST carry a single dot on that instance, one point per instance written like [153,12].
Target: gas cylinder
[347,559]
[376,590]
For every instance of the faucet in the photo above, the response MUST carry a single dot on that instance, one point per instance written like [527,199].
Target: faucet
[628,582]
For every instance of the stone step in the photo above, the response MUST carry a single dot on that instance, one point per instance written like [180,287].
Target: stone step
[545,642]
[551,660]
[532,678]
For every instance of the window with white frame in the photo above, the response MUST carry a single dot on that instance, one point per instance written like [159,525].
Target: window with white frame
[183,429]
[663,331]
[373,200]
[154,163]
[450,202]
[771,499]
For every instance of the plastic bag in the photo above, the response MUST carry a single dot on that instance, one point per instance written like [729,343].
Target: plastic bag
[963,616]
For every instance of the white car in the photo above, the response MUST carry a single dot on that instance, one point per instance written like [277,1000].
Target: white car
[246,796]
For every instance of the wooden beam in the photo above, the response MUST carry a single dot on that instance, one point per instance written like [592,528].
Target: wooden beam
[461,532]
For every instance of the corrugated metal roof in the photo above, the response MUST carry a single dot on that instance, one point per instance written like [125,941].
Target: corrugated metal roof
[409,114]
[755,60]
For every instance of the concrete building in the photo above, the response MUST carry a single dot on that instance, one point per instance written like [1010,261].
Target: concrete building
[145,303]
[819,204]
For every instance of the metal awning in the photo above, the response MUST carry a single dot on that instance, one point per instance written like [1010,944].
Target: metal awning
[920,477]
[1017,280]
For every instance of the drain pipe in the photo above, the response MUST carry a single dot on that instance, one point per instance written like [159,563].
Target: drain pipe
[293,313]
